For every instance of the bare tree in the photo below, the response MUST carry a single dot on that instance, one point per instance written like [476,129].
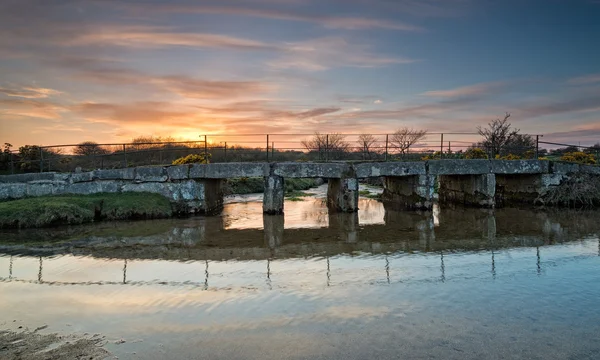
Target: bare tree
[499,136]
[404,138]
[366,142]
[332,143]
[89,148]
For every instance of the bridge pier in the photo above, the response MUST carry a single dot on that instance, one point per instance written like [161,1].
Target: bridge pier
[274,195]
[342,194]
[414,192]
[469,190]
[213,196]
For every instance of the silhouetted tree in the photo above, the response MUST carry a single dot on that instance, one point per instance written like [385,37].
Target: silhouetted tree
[366,142]
[89,148]
[404,138]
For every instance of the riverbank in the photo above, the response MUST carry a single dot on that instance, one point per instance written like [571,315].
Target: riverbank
[27,345]
[45,211]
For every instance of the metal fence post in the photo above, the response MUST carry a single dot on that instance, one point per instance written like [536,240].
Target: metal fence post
[225,151]
[386,146]
[125,155]
[442,147]
[12,163]
[537,146]
[41,159]
[273,151]
[205,149]
[326,147]
[267,147]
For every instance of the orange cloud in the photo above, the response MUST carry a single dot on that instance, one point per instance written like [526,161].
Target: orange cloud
[29,92]
[30,108]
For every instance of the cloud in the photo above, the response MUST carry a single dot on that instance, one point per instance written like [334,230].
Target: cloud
[324,53]
[575,104]
[377,101]
[336,22]
[113,73]
[29,92]
[156,37]
[477,89]
[585,79]
[30,108]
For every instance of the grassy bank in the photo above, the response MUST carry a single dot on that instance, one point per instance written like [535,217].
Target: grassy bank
[252,185]
[73,209]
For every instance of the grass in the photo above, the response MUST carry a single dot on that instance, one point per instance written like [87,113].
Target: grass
[47,211]
[254,185]
[295,195]
[364,193]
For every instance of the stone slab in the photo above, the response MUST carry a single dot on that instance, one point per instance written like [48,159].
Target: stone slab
[151,174]
[13,191]
[590,169]
[396,168]
[520,166]
[459,167]
[82,177]
[178,172]
[564,167]
[311,170]
[231,170]
[114,174]
[25,178]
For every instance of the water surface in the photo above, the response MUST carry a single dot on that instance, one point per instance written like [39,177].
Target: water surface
[448,284]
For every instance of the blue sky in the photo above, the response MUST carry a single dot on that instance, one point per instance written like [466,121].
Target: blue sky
[104,70]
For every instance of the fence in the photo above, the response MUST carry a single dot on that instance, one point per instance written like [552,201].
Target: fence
[261,147]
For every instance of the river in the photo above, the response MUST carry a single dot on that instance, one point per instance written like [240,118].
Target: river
[447,284]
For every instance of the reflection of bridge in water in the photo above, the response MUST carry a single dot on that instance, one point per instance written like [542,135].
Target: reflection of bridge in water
[206,241]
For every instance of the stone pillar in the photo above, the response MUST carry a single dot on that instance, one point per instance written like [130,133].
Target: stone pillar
[274,194]
[273,227]
[413,192]
[213,196]
[342,195]
[346,224]
[469,190]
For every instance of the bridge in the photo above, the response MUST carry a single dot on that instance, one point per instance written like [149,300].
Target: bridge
[407,185]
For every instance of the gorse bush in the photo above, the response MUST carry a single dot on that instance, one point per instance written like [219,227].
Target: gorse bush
[192,159]
[579,157]
[475,153]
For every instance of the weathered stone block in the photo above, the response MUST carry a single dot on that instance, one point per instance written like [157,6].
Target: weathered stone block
[377,169]
[471,190]
[115,174]
[13,191]
[151,174]
[83,188]
[311,170]
[342,195]
[273,196]
[564,167]
[459,167]
[178,172]
[230,170]
[82,177]
[197,171]
[165,189]
[548,180]
[520,166]
[40,189]
[191,190]
[590,169]
[25,178]
[408,192]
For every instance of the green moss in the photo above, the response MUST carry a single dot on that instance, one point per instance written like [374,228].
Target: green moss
[294,199]
[374,196]
[364,193]
[78,209]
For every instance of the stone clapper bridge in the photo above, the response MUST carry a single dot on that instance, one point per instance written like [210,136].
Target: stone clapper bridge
[407,185]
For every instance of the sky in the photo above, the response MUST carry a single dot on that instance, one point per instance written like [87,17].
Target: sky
[111,70]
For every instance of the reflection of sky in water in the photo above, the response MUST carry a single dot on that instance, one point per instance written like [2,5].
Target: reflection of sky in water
[478,283]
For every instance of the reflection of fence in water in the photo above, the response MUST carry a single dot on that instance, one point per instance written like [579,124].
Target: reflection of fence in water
[386,270]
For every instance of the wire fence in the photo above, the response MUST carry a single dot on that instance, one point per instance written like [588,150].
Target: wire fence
[270,148]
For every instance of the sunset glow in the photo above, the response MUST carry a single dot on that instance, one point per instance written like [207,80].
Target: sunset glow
[109,71]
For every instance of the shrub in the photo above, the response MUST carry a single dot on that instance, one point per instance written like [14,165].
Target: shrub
[192,159]
[579,157]
[508,157]
[475,153]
